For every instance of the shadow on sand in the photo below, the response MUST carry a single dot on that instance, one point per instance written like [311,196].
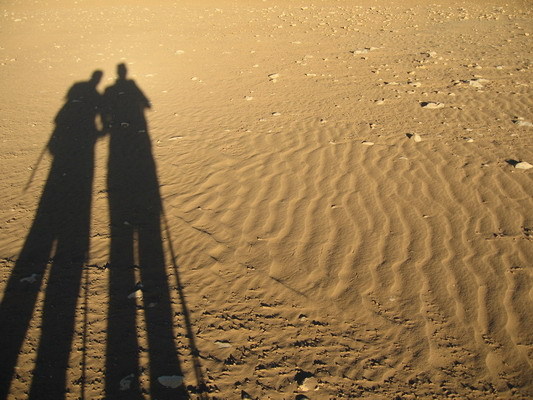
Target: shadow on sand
[58,244]
[137,263]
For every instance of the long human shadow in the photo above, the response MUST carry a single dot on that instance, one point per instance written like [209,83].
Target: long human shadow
[57,243]
[138,280]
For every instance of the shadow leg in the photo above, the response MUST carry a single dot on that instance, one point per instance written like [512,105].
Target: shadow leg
[158,312]
[18,304]
[59,313]
[122,358]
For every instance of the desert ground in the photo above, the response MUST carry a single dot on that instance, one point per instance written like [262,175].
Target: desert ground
[266,199]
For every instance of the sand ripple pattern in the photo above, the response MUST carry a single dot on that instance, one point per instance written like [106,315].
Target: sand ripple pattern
[427,241]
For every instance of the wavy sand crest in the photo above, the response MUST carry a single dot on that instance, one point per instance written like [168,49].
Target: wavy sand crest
[323,201]
[421,239]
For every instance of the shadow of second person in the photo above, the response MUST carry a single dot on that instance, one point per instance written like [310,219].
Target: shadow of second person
[137,274]
[56,247]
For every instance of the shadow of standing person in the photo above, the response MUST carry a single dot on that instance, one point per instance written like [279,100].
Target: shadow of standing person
[58,240]
[136,249]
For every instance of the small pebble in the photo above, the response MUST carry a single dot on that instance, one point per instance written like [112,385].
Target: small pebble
[521,122]
[431,105]
[172,382]
[30,279]
[523,165]
[125,383]
[414,136]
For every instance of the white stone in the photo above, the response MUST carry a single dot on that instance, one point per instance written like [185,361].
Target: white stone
[309,384]
[431,105]
[523,165]
[415,137]
[172,381]
[30,279]
[521,122]
[125,383]
[138,294]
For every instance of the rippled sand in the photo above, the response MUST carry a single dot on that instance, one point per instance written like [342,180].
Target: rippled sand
[339,209]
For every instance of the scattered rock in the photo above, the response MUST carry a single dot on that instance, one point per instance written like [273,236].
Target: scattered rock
[301,376]
[523,165]
[248,98]
[30,279]
[137,291]
[308,384]
[223,345]
[367,143]
[431,105]
[135,295]
[522,122]
[363,51]
[414,136]
[519,164]
[273,77]
[179,52]
[172,381]
[245,395]
[477,83]
[125,383]
[276,114]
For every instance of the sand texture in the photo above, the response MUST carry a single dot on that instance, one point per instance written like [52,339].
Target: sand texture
[267,200]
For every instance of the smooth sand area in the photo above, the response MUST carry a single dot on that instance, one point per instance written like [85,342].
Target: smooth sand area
[266,199]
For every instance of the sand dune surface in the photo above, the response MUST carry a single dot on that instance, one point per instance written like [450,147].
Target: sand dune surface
[266,200]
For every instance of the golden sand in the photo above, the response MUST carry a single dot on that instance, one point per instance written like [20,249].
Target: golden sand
[322,200]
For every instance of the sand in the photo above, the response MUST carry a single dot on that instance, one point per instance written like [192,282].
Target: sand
[287,200]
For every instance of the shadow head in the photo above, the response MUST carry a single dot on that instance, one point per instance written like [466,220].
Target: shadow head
[96,77]
[122,71]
